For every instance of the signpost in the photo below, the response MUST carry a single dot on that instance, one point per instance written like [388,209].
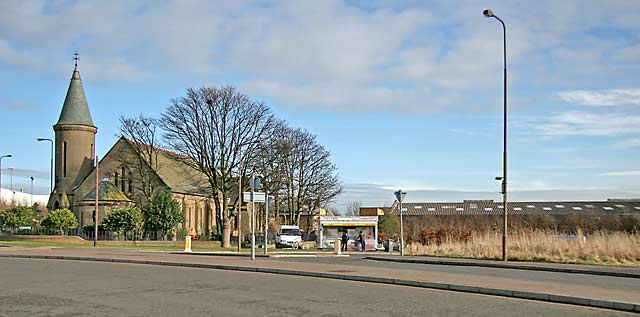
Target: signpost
[400,197]
[255,185]
[266,222]
[258,197]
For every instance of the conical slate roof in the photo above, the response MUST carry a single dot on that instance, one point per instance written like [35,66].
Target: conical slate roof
[75,109]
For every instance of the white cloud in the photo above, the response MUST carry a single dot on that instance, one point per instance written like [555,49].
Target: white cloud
[16,105]
[623,173]
[589,124]
[626,144]
[529,185]
[614,97]
[326,54]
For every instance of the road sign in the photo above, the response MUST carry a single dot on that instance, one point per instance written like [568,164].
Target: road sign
[258,197]
[400,195]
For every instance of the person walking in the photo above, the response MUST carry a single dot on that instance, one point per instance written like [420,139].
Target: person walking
[361,240]
[345,240]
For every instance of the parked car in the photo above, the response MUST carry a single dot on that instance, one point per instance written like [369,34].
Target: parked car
[289,236]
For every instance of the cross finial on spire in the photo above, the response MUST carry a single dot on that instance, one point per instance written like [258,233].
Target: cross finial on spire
[76,58]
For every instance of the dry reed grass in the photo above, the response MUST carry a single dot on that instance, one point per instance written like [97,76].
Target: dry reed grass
[610,248]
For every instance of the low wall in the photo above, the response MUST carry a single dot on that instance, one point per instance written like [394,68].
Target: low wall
[79,240]
[43,238]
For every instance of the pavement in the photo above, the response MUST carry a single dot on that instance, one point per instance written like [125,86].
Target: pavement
[617,271]
[607,295]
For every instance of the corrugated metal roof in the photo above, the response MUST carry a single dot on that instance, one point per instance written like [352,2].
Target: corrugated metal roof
[490,207]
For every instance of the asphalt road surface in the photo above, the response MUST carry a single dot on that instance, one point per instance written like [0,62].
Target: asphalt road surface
[577,280]
[33,287]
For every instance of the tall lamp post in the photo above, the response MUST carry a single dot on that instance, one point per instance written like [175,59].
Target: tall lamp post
[31,177]
[489,14]
[1,157]
[51,169]
[11,178]
[400,197]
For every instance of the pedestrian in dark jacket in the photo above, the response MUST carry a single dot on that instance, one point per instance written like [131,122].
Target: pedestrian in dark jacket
[361,240]
[345,240]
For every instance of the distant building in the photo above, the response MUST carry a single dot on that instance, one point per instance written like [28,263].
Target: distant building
[20,198]
[490,207]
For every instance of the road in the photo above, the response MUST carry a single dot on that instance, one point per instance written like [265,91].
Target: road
[470,272]
[32,287]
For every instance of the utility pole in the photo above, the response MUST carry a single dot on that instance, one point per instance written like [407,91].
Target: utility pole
[95,222]
[31,177]
[253,218]
[489,14]
[1,157]
[51,158]
[400,197]
[240,210]
[266,220]
[11,178]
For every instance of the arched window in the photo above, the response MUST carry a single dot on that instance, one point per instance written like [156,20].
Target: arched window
[123,184]
[115,179]
[64,159]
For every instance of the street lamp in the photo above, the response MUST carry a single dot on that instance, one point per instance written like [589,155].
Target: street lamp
[489,14]
[51,169]
[11,178]
[1,157]
[400,197]
[31,177]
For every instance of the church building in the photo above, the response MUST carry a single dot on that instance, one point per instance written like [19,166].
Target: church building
[123,172]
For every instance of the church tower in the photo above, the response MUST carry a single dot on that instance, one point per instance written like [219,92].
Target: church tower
[74,144]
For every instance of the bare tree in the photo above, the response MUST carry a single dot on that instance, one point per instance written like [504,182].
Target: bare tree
[353,208]
[308,176]
[141,133]
[219,129]
[268,163]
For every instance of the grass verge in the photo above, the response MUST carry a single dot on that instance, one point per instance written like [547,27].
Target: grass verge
[613,248]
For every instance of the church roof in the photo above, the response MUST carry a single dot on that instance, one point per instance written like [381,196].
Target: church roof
[75,109]
[106,192]
[174,170]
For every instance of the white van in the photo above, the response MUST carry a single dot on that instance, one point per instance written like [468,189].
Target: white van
[289,236]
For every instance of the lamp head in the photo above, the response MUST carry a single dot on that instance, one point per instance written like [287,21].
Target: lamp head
[488,13]
[8,155]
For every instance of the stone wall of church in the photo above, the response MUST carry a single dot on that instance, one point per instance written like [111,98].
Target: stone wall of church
[199,213]
[74,148]
[120,166]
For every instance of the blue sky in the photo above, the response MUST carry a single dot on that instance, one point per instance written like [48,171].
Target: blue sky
[404,94]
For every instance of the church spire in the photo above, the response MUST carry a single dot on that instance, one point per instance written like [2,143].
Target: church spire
[75,109]
[76,73]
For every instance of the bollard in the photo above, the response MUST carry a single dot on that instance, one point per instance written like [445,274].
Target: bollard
[187,244]
[338,247]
